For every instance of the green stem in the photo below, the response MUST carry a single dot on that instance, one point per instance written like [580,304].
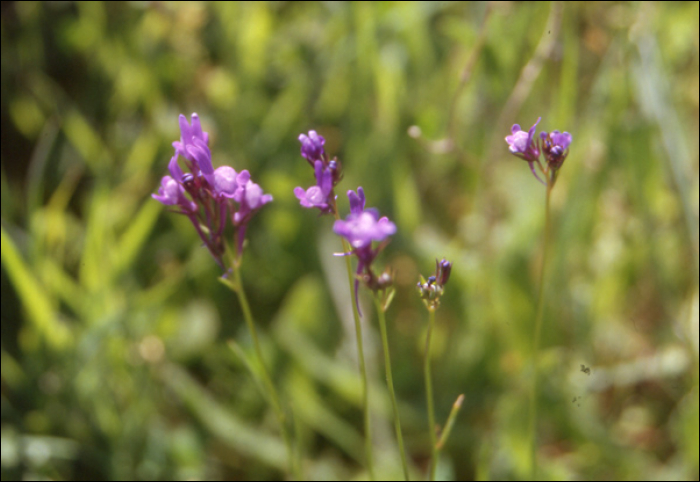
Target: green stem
[450,422]
[536,339]
[360,356]
[273,397]
[429,395]
[390,382]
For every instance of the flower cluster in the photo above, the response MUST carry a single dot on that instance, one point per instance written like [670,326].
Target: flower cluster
[554,145]
[360,228]
[327,172]
[432,289]
[207,195]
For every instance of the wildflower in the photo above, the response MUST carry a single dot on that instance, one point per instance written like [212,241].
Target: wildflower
[554,146]
[206,195]
[327,172]
[360,228]
[321,195]
[312,147]
[521,143]
[431,289]
[172,193]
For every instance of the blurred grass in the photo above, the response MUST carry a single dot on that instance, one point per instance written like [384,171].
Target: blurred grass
[114,328]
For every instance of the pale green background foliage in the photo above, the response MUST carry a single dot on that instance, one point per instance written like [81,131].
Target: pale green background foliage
[115,361]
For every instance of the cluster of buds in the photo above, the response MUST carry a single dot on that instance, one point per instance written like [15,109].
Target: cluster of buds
[327,171]
[209,197]
[431,289]
[553,145]
[360,228]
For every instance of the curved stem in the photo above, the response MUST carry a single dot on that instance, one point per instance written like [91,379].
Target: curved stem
[360,356]
[429,395]
[536,341]
[390,382]
[273,397]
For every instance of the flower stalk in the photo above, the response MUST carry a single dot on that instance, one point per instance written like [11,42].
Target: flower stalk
[532,423]
[381,309]
[360,355]
[271,392]
[547,153]
[432,429]
[431,290]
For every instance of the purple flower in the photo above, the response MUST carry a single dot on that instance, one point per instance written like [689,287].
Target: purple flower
[193,146]
[521,143]
[226,181]
[360,228]
[432,289]
[188,133]
[312,147]
[250,197]
[213,194]
[555,146]
[321,195]
[171,193]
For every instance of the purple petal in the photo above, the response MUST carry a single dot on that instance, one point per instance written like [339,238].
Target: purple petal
[174,168]
[357,201]
[225,181]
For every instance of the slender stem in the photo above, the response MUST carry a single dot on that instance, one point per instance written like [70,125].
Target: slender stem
[390,382]
[360,356]
[450,422]
[429,395]
[536,340]
[273,397]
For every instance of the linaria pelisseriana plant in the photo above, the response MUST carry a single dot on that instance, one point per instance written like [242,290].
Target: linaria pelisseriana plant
[431,290]
[544,154]
[359,229]
[213,200]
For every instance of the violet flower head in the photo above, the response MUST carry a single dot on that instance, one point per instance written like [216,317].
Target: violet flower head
[555,146]
[226,182]
[432,289]
[188,133]
[361,229]
[321,195]
[250,196]
[171,193]
[522,143]
[206,196]
[312,147]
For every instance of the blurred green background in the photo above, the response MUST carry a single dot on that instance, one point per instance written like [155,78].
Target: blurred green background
[115,361]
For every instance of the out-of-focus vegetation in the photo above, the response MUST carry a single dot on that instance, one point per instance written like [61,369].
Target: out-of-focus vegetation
[115,361]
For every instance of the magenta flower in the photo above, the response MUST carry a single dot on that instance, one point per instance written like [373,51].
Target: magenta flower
[171,193]
[207,196]
[360,228]
[327,173]
[321,195]
[521,143]
[554,146]
[250,197]
[312,147]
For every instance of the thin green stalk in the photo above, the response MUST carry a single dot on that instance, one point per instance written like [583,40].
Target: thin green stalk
[429,395]
[450,422]
[360,356]
[536,340]
[273,397]
[390,382]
